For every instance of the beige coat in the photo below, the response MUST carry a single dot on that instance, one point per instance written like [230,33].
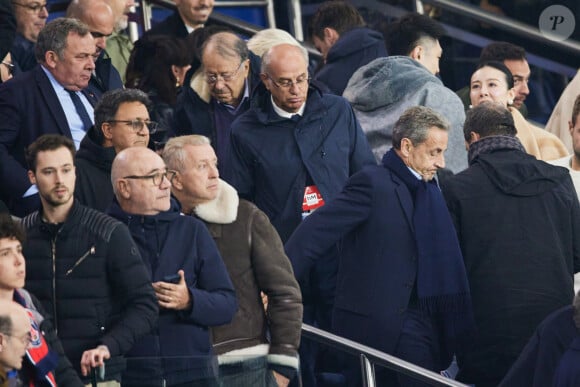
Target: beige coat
[537,142]
[562,113]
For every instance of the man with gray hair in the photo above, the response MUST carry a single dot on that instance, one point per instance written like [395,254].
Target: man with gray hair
[218,93]
[518,223]
[14,338]
[399,247]
[121,121]
[48,99]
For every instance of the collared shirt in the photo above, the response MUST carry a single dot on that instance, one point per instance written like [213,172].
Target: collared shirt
[284,113]
[415,173]
[74,121]
[234,109]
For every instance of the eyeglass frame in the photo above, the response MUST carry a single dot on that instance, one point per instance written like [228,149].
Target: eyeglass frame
[226,78]
[297,82]
[9,66]
[33,8]
[154,176]
[152,126]
[25,339]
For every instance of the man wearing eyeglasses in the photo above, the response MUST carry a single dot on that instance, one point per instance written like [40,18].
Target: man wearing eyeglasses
[191,282]
[292,152]
[99,17]
[84,268]
[31,16]
[14,323]
[121,121]
[219,92]
[35,334]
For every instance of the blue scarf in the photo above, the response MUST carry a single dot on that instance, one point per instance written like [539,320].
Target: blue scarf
[442,287]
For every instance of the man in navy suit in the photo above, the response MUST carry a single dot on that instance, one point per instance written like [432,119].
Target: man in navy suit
[189,16]
[401,287]
[43,101]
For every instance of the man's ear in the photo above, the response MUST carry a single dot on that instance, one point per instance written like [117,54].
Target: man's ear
[417,53]
[571,127]
[176,182]
[50,59]
[330,35]
[406,147]
[31,177]
[473,137]
[264,79]
[106,129]
[123,189]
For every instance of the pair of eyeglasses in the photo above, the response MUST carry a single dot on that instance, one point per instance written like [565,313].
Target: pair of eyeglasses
[33,7]
[137,125]
[25,339]
[9,66]
[226,77]
[287,83]
[157,178]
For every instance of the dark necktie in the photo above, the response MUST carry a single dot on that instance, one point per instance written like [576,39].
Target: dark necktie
[81,111]
[296,117]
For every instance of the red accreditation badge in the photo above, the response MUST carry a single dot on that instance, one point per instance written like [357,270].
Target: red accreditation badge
[312,200]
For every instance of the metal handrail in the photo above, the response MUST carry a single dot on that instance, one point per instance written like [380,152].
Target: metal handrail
[377,357]
[504,23]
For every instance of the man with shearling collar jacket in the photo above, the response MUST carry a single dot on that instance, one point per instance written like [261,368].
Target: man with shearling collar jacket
[84,267]
[255,259]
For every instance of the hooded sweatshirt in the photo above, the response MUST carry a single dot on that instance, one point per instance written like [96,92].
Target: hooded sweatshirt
[383,89]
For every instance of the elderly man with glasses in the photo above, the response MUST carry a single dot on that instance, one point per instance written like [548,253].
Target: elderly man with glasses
[121,121]
[31,16]
[292,152]
[193,288]
[219,92]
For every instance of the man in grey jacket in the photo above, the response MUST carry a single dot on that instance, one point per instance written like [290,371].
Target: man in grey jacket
[383,89]
[254,257]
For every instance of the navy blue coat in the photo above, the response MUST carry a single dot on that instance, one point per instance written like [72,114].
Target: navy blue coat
[272,156]
[107,77]
[542,358]
[29,108]
[172,25]
[378,261]
[353,50]
[170,242]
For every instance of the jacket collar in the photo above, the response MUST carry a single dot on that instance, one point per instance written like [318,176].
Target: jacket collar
[221,210]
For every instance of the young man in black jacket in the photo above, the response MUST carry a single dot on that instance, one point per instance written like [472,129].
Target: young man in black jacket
[84,267]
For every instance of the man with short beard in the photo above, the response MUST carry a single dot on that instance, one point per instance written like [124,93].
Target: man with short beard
[84,267]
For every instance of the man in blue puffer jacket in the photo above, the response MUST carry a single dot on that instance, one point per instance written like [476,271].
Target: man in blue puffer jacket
[200,296]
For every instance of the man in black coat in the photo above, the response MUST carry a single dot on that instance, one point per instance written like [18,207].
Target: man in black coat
[518,222]
[84,267]
[190,15]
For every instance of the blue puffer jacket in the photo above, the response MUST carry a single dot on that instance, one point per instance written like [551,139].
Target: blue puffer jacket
[274,157]
[354,49]
[169,242]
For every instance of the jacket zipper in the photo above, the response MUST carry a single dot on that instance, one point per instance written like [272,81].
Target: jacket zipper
[80,260]
[55,316]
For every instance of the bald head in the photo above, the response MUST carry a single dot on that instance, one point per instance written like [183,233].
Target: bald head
[14,334]
[140,181]
[98,16]
[281,53]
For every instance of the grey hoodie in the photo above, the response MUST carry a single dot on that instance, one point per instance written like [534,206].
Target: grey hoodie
[383,89]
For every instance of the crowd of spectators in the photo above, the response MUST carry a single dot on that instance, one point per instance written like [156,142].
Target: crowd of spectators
[174,208]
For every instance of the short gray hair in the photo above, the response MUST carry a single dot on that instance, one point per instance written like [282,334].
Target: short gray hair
[415,123]
[267,56]
[174,154]
[227,45]
[53,37]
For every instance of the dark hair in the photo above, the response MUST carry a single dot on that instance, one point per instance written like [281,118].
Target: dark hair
[149,67]
[415,123]
[10,229]
[108,106]
[5,323]
[54,35]
[338,15]
[47,142]
[501,67]
[500,51]
[406,33]
[489,119]
[576,110]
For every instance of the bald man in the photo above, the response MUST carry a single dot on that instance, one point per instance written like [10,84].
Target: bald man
[99,17]
[293,151]
[14,336]
[190,280]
